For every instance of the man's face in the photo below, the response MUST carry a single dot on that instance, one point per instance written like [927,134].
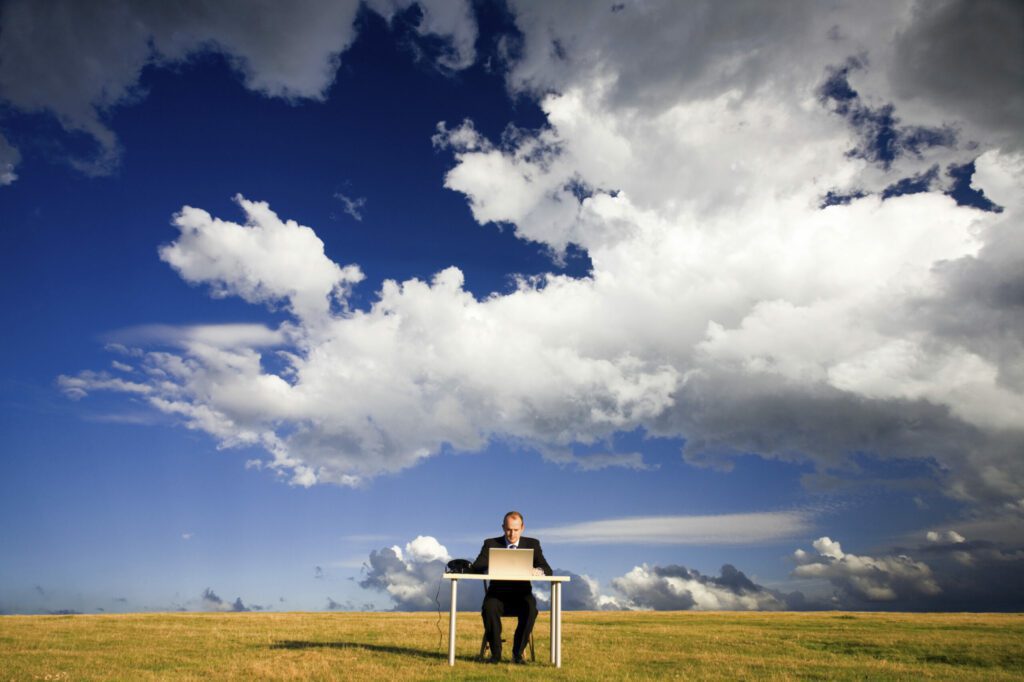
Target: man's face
[513,528]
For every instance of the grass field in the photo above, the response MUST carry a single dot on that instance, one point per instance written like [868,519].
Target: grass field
[596,645]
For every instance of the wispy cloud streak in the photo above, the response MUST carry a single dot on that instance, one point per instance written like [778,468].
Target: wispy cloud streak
[719,529]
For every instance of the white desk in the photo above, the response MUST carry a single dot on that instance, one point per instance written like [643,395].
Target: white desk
[556,608]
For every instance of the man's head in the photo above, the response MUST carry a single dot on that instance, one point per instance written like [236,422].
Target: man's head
[512,525]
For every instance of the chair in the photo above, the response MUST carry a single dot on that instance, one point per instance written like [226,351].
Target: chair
[484,646]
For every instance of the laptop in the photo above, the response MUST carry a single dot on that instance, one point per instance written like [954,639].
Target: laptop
[510,563]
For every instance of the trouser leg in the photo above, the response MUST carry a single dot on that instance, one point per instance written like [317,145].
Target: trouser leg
[492,611]
[524,627]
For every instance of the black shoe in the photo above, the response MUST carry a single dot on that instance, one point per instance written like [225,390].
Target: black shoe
[493,660]
[519,660]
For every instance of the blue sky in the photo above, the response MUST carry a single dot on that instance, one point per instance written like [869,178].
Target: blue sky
[301,300]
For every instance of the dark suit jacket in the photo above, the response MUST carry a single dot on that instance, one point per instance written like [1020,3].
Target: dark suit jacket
[505,587]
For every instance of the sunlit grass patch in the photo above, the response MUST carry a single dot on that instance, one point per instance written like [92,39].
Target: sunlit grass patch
[596,645]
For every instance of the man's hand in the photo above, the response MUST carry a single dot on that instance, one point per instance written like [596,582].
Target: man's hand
[538,571]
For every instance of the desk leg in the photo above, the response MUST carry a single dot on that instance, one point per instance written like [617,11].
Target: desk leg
[558,624]
[451,623]
[554,586]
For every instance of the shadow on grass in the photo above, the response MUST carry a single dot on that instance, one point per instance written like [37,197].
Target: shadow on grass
[378,648]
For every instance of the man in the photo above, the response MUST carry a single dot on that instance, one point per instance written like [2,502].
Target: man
[510,597]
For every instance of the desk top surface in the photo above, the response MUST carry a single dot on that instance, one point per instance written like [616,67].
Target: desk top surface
[531,578]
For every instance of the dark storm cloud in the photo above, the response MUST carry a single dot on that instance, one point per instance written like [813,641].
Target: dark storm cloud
[968,57]
[209,596]
[728,414]
[631,42]
[944,572]
[79,60]
[211,601]
[982,306]
[975,575]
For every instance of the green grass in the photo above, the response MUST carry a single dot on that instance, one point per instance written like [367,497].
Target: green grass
[596,645]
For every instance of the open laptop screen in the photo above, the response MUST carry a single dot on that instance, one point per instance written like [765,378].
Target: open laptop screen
[512,563]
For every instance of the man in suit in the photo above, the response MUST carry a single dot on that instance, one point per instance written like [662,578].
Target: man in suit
[510,597]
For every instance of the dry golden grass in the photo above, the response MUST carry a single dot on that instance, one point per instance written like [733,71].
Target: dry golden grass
[596,645]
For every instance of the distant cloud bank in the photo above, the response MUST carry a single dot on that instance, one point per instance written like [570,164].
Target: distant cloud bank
[951,573]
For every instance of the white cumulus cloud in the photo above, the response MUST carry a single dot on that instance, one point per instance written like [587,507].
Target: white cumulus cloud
[677,588]
[871,579]
[727,305]
[264,261]
[412,578]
